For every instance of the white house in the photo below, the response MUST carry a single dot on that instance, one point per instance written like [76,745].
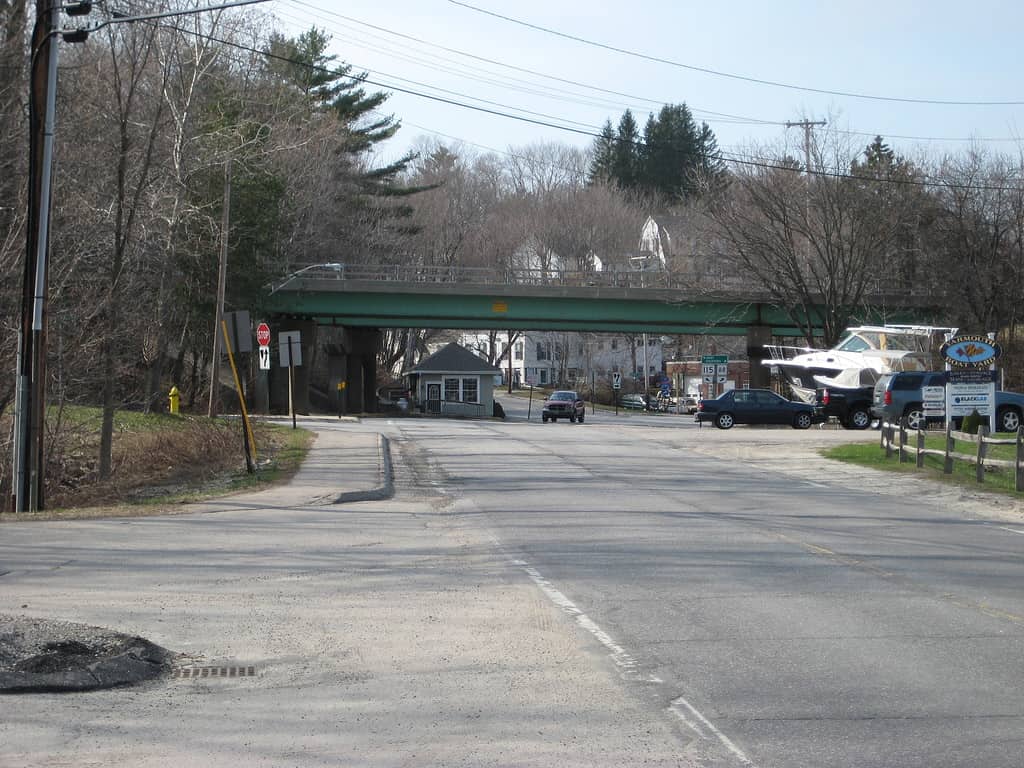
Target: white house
[569,359]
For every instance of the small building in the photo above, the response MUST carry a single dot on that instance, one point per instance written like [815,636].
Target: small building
[454,382]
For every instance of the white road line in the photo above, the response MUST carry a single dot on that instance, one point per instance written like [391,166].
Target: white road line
[1011,530]
[726,741]
[626,662]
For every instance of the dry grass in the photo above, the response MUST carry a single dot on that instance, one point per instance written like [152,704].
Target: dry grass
[159,461]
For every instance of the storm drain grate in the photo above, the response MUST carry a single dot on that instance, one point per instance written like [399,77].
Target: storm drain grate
[194,672]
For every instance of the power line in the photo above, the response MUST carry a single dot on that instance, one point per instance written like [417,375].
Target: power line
[744,78]
[704,114]
[733,158]
[535,73]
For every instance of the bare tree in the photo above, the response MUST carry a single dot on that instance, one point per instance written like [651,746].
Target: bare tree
[977,239]
[816,242]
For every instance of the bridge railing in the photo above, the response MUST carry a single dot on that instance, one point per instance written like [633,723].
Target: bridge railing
[703,282]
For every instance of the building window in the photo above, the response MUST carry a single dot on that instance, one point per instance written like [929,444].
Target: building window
[543,375]
[573,374]
[451,390]
[470,391]
[615,344]
[519,350]
[542,351]
[581,350]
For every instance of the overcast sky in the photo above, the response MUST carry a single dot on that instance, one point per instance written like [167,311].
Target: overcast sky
[899,54]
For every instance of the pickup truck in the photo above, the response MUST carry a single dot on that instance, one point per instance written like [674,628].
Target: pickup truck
[850,405]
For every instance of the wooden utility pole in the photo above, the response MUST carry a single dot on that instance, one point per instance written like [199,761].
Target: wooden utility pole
[808,126]
[222,276]
[30,385]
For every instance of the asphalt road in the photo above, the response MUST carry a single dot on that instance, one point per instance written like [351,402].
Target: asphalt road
[634,590]
[791,617]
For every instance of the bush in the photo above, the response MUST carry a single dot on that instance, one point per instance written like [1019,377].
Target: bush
[972,422]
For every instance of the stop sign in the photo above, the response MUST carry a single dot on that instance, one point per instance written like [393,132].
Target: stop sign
[263,334]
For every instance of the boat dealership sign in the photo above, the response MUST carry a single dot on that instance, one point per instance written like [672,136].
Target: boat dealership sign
[970,352]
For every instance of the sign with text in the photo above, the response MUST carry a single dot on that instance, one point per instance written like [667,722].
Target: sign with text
[962,399]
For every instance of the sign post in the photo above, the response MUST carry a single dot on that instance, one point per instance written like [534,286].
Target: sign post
[616,386]
[714,370]
[291,357]
[971,376]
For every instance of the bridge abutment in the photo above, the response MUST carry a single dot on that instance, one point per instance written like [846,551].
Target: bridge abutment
[354,363]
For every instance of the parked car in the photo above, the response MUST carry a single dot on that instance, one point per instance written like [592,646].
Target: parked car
[633,402]
[690,404]
[756,406]
[850,405]
[564,404]
[896,395]
[899,395]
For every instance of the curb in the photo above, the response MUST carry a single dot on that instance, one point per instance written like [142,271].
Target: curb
[387,487]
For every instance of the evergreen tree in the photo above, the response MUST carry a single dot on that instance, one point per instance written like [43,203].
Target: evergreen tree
[672,154]
[626,157]
[603,155]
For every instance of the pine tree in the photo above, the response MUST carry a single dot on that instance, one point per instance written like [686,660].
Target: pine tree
[626,157]
[603,155]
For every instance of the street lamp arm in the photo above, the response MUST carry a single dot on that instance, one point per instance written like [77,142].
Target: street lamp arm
[119,18]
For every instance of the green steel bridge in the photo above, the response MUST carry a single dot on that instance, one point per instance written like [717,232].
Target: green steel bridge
[362,299]
[401,296]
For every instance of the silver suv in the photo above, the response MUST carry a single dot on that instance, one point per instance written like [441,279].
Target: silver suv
[899,394]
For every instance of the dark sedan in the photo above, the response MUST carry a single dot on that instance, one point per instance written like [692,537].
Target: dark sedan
[756,406]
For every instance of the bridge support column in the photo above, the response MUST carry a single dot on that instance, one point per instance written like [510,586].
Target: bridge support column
[354,362]
[301,374]
[757,337]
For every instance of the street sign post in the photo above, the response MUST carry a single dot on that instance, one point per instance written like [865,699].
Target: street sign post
[714,371]
[291,357]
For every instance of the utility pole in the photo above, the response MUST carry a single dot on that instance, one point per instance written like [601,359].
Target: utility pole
[222,276]
[30,385]
[808,126]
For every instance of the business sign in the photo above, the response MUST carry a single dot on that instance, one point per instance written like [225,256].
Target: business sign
[970,352]
[933,401]
[962,399]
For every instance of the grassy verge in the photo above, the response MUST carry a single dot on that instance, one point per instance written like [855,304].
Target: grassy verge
[996,478]
[159,463]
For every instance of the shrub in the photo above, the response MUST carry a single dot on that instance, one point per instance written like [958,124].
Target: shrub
[972,422]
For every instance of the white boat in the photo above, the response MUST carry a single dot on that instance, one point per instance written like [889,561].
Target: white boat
[863,354]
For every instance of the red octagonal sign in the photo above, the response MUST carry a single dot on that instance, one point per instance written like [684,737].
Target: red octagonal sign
[263,334]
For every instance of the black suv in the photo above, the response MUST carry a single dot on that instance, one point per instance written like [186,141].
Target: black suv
[899,394]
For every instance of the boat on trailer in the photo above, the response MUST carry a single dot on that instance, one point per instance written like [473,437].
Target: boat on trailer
[864,353]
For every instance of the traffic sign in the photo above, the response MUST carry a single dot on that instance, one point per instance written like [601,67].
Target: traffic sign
[707,369]
[264,358]
[714,359]
[616,380]
[290,343]
[263,334]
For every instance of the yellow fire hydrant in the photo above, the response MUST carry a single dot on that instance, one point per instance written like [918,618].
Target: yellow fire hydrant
[175,397]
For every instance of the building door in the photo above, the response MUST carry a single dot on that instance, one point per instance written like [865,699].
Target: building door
[433,398]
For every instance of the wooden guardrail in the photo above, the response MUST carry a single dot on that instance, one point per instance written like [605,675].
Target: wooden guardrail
[895,438]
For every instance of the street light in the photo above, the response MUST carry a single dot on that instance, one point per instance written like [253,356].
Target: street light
[643,259]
